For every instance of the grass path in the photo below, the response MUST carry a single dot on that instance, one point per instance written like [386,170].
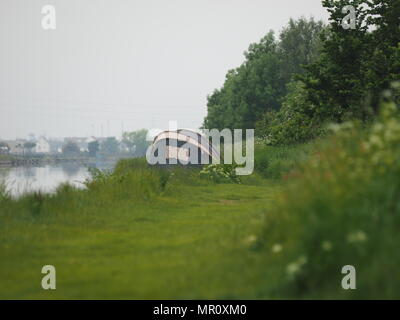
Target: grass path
[197,244]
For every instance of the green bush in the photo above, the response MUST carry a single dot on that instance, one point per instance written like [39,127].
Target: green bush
[220,173]
[4,194]
[342,209]
[296,122]
[167,175]
[276,161]
[126,181]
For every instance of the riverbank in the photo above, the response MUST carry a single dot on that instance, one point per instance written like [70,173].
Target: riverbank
[15,160]
[6,163]
[284,232]
[5,160]
[163,248]
[139,233]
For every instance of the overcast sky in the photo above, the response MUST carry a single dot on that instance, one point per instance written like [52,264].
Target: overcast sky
[124,64]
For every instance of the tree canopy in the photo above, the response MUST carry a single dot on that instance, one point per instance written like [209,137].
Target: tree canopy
[355,65]
[259,84]
[93,148]
[110,145]
[136,142]
[70,148]
[291,87]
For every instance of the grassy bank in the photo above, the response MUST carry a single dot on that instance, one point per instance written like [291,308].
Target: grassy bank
[341,207]
[5,159]
[284,232]
[138,233]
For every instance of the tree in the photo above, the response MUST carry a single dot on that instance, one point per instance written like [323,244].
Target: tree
[300,45]
[354,68]
[70,148]
[93,148]
[4,148]
[136,142]
[29,146]
[259,84]
[383,64]
[356,65]
[253,88]
[110,145]
[293,123]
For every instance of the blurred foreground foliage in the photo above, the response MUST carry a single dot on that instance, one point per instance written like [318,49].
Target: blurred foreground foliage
[341,207]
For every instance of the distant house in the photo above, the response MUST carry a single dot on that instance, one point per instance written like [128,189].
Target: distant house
[90,140]
[56,146]
[81,142]
[42,145]
[16,146]
[4,148]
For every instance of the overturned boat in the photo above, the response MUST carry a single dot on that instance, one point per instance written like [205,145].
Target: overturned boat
[183,146]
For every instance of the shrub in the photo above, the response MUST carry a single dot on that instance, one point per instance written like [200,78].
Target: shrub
[126,181]
[342,209]
[296,122]
[4,194]
[220,173]
[276,161]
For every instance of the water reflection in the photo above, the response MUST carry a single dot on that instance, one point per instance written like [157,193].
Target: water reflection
[47,178]
[70,169]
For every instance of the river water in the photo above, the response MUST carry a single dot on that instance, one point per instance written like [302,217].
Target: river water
[46,178]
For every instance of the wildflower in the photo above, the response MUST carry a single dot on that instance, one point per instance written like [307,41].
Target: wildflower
[378,127]
[302,260]
[276,248]
[358,236]
[376,141]
[295,267]
[251,239]
[326,246]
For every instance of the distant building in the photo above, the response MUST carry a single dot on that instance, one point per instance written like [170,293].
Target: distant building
[4,148]
[56,146]
[79,141]
[83,142]
[42,145]
[16,146]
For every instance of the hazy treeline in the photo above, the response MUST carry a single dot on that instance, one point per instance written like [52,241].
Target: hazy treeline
[290,87]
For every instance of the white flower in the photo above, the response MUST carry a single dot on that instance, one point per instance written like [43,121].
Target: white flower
[358,236]
[276,248]
[293,268]
[326,246]
[251,239]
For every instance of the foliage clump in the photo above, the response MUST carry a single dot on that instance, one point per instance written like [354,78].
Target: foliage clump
[259,84]
[341,208]
[220,173]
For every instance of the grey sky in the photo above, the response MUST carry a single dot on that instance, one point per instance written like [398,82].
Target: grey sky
[136,62]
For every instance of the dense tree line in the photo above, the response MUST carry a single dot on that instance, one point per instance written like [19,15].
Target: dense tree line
[259,84]
[290,88]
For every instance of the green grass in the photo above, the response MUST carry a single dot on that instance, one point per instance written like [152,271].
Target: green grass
[284,232]
[5,157]
[187,239]
[341,207]
[274,162]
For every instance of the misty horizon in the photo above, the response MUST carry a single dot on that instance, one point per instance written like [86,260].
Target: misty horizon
[112,67]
